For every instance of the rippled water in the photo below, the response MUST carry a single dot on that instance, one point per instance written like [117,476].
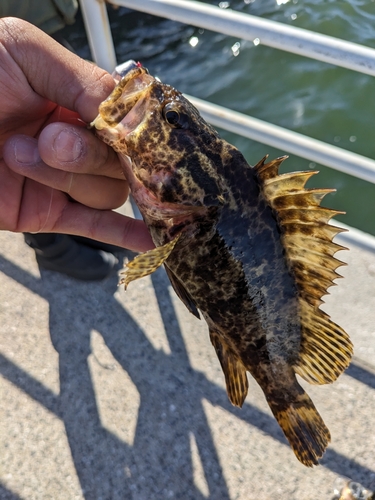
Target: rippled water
[328,103]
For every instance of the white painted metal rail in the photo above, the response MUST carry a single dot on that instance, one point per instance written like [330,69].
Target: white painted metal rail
[271,33]
[283,37]
[287,140]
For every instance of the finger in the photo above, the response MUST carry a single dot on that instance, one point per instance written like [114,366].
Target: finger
[11,189]
[54,72]
[96,191]
[110,227]
[46,210]
[76,149]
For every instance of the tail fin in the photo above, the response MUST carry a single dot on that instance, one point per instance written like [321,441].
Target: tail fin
[304,429]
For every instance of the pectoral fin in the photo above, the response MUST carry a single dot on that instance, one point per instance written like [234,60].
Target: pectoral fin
[182,293]
[146,263]
[234,370]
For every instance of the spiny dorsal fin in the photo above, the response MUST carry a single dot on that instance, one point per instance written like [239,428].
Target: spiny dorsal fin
[234,371]
[307,239]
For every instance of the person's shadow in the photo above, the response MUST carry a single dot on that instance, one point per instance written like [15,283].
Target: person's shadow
[158,465]
[159,462]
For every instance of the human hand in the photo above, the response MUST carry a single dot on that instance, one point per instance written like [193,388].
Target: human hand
[55,175]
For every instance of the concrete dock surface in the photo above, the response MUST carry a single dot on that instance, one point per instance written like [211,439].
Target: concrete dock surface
[114,395]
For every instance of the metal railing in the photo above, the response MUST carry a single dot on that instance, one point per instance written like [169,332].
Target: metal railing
[271,33]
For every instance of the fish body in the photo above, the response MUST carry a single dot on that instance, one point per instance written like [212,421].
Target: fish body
[248,249]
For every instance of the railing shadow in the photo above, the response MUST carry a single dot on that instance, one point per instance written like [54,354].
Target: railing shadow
[361,373]
[6,494]
[159,460]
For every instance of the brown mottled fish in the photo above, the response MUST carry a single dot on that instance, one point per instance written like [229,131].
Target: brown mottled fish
[249,248]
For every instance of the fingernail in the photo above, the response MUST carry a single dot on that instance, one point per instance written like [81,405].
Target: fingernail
[26,151]
[68,146]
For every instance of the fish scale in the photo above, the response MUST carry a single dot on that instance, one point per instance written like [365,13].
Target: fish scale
[244,247]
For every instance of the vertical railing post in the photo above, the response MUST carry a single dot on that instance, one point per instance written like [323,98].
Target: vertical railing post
[99,33]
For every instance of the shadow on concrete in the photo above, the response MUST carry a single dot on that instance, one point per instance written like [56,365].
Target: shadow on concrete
[358,370]
[159,463]
[7,495]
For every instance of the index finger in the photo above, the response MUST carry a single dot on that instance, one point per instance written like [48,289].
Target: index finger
[54,72]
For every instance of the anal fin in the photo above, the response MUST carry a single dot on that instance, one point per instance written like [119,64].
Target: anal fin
[146,263]
[233,368]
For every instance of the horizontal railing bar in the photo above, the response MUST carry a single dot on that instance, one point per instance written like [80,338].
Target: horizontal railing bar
[353,236]
[271,33]
[287,140]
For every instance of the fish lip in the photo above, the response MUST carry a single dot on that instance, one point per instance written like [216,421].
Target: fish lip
[135,89]
[136,111]
[133,118]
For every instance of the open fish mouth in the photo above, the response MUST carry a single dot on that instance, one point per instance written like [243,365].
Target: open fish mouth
[125,108]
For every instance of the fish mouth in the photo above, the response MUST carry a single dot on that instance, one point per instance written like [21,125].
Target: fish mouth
[125,107]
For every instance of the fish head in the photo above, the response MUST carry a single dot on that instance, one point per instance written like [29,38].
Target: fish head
[170,154]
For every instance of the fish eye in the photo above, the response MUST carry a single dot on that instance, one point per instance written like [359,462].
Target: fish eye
[175,117]
[172,117]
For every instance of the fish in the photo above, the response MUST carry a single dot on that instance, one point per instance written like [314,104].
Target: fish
[247,248]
